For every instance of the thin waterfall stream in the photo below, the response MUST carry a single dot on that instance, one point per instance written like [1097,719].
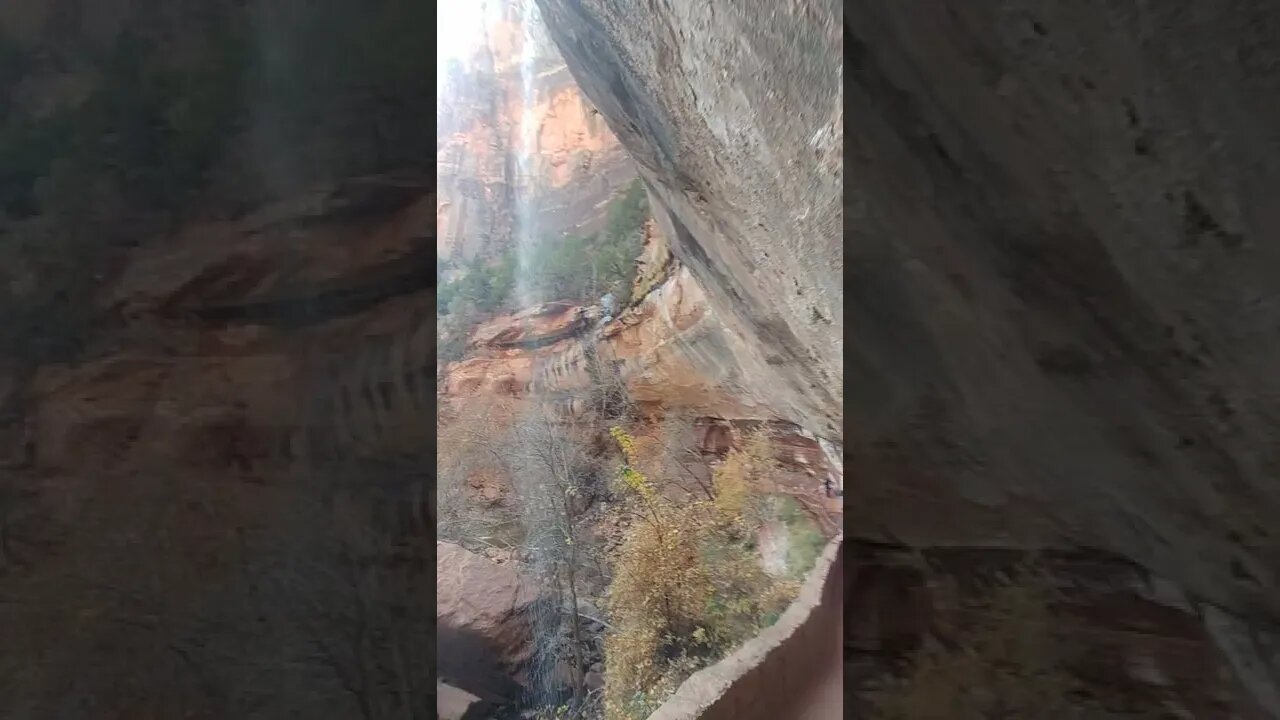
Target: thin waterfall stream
[545,533]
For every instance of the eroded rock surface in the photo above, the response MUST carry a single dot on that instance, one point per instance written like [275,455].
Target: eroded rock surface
[226,339]
[543,324]
[1062,287]
[1062,282]
[669,348]
[733,114]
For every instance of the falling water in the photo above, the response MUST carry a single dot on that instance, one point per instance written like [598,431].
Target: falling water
[525,152]
[541,531]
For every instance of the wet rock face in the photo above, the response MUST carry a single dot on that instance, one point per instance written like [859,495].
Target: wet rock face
[669,349]
[541,325]
[733,114]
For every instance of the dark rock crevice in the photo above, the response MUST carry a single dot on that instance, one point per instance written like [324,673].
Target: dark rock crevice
[411,273]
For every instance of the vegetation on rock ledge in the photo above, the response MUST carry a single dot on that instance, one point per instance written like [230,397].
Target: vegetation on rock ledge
[687,585]
[573,268]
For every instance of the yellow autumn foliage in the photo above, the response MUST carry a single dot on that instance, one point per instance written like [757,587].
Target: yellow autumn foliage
[686,589]
[659,571]
[629,474]
[741,482]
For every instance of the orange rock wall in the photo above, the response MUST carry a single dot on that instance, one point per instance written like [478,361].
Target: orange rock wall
[671,353]
[570,145]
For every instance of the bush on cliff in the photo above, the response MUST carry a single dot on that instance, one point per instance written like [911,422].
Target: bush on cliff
[582,269]
[485,287]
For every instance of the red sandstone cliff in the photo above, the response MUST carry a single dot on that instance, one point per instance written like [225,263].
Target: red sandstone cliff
[487,120]
[672,353]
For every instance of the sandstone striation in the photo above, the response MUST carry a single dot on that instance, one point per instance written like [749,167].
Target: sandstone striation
[218,348]
[669,350]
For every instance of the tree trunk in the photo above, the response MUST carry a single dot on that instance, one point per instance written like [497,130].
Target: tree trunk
[574,628]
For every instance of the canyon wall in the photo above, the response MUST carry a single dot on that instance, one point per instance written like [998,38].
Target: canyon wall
[490,123]
[204,439]
[669,350]
[1130,639]
[733,115]
[232,355]
[1061,283]
[207,209]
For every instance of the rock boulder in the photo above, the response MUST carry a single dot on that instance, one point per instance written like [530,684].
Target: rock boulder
[481,613]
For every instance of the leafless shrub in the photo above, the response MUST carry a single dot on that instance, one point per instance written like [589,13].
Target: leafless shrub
[556,480]
[472,456]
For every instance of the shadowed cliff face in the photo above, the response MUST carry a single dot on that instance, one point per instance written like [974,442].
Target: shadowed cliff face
[1063,286]
[1064,329]
[743,158]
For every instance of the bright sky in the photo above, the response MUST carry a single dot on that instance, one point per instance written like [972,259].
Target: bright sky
[457,27]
